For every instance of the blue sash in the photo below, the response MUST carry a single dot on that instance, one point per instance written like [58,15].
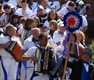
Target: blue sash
[5,73]
[34,75]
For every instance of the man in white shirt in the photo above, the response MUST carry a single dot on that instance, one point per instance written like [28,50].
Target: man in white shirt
[28,43]
[8,61]
[63,11]
[30,55]
[24,11]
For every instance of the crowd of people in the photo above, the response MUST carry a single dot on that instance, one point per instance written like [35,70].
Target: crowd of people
[35,32]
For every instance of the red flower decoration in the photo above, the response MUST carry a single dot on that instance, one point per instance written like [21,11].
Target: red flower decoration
[71,20]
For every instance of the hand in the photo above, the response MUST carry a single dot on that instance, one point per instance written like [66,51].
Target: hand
[3,23]
[59,51]
[7,44]
[34,59]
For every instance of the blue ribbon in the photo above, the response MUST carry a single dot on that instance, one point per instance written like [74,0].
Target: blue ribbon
[65,45]
[34,75]
[25,64]
[5,73]
[19,70]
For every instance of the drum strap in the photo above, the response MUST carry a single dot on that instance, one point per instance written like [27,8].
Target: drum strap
[5,73]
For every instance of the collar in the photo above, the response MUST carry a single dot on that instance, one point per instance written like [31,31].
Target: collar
[85,62]
[34,40]
[60,32]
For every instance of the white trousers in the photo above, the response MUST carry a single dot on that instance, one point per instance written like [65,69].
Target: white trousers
[10,66]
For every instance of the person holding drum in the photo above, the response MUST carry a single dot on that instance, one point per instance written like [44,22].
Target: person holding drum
[9,65]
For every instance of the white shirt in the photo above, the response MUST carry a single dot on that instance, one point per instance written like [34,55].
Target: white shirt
[28,43]
[5,39]
[84,22]
[63,11]
[54,4]
[46,23]
[28,13]
[33,6]
[13,2]
[3,3]
[31,51]
[57,37]
[4,18]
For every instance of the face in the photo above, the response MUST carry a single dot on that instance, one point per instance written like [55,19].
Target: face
[42,29]
[62,29]
[15,20]
[72,38]
[31,2]
[44,41]
[79,37]
[85,57]
[40,12]
[36,34]
[51,27]
[52,15]
[71,8]
[31,25]
[12,31]
[44,3]
[7,11]
[35,22]
[19,3]
[24,5]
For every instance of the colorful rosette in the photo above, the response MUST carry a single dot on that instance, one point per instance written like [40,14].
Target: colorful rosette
[72,21]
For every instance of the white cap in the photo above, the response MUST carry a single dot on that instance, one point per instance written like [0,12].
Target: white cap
[80,2]
[11,5]
[40,7]
[61,24]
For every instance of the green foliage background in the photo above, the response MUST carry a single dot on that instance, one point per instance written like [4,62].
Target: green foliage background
[92,48]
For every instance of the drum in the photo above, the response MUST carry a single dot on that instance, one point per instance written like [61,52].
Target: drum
[14,49]
[76,50]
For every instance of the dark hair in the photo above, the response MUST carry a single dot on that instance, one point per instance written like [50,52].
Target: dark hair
[14,16]
[6,6]
[42,35]
[74,34]
[49,18]
[24,1]
[0,6]
[71,3]
[9,27]
[28,22]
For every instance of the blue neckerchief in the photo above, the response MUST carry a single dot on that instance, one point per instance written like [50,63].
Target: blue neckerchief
[60,32]
[5,72]
[30,7]
[15,24]
[85,62]
[51,33]
[34,75]
[34,40]
[18,7]
[7,35]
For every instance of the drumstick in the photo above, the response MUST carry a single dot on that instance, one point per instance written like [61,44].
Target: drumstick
[64,74]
